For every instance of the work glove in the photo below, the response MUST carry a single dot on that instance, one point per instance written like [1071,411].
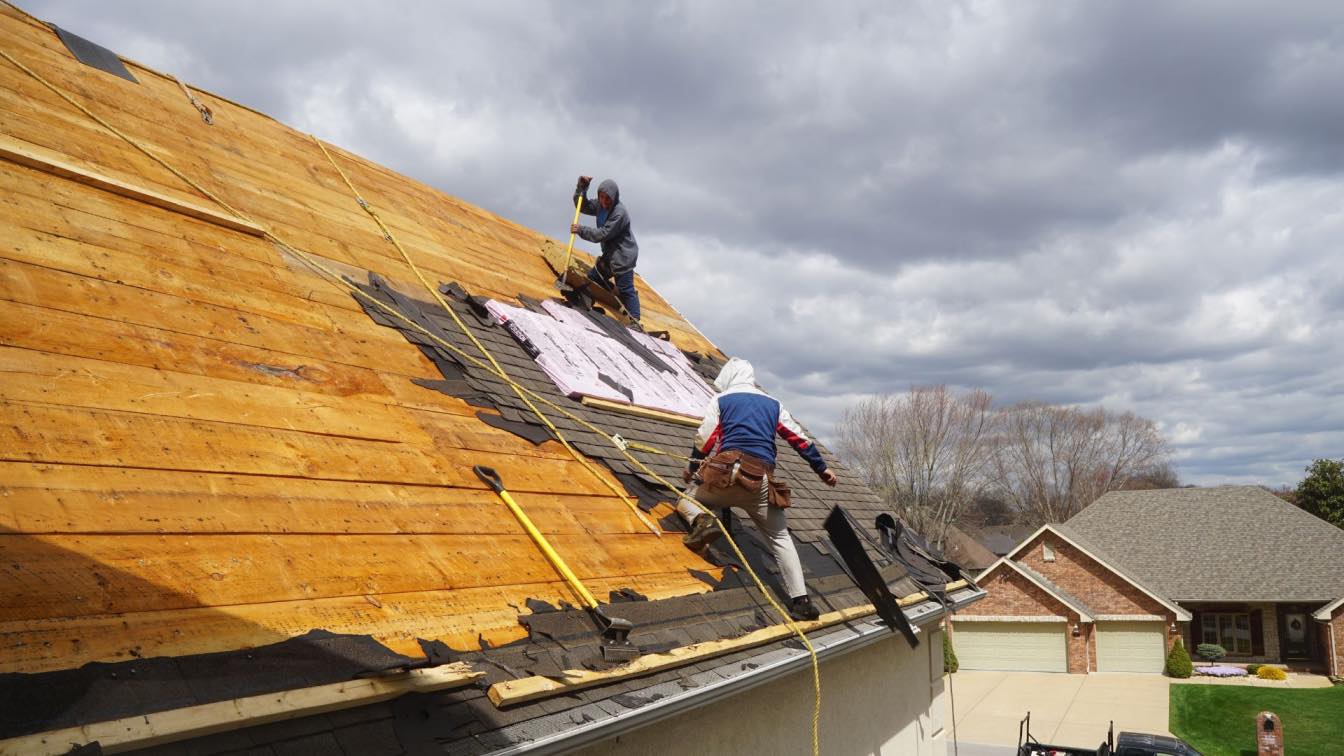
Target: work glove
[584,181]
[828,477]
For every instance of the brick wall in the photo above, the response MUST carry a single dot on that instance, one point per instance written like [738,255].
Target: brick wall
[1082,650]
[1100,589]
[1013,595]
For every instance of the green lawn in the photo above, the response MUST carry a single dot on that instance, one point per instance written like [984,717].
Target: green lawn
[1219,720]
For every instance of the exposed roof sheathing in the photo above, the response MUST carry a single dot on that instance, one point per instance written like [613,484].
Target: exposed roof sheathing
[205,447]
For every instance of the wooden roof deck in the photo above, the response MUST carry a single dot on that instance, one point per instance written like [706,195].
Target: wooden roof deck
[204,446]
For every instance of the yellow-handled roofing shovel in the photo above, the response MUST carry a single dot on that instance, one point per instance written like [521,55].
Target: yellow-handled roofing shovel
[569,251]
[616,646]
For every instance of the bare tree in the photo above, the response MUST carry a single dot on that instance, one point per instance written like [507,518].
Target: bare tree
[927,452]
[1051,462]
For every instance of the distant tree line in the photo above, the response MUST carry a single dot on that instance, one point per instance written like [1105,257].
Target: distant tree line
[942,457]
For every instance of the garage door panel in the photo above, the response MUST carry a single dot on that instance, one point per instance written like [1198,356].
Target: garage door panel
[1011,646]
[1131,646]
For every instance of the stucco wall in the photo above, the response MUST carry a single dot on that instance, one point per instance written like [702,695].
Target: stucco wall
[883,699]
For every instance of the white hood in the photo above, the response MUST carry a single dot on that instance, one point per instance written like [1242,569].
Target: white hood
[736,374]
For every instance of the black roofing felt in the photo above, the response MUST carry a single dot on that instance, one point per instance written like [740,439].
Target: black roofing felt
[92,54]
[101,691]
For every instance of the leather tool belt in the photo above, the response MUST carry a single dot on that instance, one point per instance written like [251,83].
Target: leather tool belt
[736,468]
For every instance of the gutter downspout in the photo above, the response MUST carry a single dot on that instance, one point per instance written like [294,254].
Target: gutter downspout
[663,708]
[1334,654]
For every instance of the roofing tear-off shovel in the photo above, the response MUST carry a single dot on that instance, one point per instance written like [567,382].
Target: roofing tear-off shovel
[569,251]
[616,646]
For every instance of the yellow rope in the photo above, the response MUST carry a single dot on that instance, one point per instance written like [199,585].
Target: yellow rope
[340,281]
[495,366]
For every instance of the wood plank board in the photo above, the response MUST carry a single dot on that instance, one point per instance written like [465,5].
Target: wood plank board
[31,432]
[42,377]
[458,618]
[56,576]
[45,160]
[45,499]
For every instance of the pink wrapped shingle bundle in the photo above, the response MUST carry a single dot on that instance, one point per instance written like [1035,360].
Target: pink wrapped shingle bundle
[578,355]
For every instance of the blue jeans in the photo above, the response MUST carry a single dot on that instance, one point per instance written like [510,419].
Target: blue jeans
[625,289]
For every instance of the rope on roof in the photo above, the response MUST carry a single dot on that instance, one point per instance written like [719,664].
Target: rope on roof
[206,115]
[337,279]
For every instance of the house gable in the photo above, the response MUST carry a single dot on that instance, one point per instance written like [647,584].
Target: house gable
[1012,594]
[1093,582]
[1093,565]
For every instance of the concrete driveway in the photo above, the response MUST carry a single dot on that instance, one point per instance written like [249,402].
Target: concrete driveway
[1072,710]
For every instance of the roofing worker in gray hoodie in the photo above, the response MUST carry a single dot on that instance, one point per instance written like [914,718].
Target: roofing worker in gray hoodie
[613,232]
[733,465]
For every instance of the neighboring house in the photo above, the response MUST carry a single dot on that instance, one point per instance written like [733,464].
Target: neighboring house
[963,548]
[999,539]
[1109,589]
[238,511]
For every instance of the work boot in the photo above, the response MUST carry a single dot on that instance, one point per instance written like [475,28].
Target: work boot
[803,610]
[703,532]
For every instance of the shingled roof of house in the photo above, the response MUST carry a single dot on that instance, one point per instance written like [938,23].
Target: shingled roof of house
[224,474]
[1226,543]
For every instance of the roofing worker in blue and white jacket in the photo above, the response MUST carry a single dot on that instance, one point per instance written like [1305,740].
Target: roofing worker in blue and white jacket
[620,252]
[733,465]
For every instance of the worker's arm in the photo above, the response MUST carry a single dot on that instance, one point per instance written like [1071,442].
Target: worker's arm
[617,222]
[589,207]
[789,430]
[706,437]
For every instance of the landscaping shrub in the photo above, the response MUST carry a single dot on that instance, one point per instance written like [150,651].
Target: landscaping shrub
[950,663]
[1178,661]
[1253,668]
[1210,651]
[1267,672]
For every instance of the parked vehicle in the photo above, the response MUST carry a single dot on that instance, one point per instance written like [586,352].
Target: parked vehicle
[1127,744]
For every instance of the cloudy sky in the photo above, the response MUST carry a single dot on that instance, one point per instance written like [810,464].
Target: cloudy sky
[1133,204]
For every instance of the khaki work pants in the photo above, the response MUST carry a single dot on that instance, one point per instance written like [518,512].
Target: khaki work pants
[772,521]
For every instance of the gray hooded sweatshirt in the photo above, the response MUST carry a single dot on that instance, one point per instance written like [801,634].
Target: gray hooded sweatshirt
[613,232]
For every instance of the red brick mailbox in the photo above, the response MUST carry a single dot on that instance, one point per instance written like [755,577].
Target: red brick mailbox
[1268,734]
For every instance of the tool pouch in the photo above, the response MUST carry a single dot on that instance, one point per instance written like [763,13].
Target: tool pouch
[734,468]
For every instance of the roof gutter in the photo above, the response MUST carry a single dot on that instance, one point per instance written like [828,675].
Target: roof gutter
[836,641]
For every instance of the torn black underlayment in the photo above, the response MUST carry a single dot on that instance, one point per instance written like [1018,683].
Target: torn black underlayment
[866,574]
[812,499]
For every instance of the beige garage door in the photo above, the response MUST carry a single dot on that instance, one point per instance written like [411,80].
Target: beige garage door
[1131,646]
[1013,646]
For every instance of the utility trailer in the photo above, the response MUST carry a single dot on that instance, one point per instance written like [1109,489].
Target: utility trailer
[1128,744]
